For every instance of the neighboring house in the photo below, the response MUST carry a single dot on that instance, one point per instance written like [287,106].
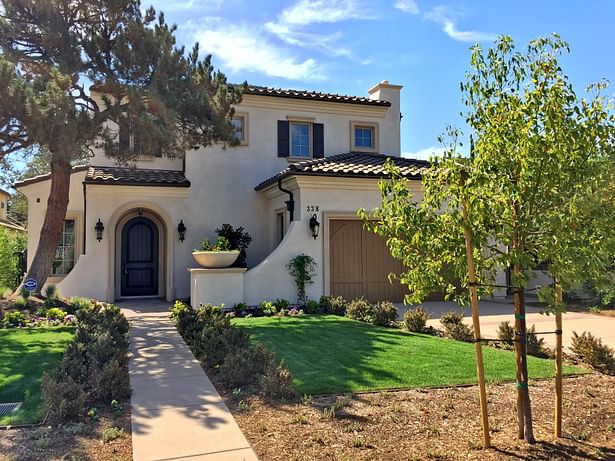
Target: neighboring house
[324,152]
[5,222]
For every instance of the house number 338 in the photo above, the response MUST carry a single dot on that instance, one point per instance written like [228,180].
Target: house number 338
[312,208]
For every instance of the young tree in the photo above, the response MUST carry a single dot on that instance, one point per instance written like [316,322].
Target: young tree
[72,73]
[537,187]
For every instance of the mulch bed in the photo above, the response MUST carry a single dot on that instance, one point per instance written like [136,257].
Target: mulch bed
[437,424]
[53,442]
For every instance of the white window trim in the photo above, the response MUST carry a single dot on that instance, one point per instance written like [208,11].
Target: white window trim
[244,116]
[305,121]
[359,124]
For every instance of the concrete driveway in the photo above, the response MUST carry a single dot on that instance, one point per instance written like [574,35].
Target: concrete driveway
[492,313]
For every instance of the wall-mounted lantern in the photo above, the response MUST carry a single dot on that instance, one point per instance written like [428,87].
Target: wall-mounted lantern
[314,226]
[99,228]
[181,230]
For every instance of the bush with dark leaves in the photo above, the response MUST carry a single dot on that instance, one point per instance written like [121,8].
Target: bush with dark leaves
[591,350]
[415,320]
[94,367]
[454,327]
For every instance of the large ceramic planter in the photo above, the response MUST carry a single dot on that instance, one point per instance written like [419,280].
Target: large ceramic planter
[215,259]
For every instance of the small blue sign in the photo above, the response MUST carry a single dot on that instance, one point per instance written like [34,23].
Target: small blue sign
[30,285]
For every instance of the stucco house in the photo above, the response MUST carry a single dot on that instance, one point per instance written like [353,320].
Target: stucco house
[5,222]
[302,155]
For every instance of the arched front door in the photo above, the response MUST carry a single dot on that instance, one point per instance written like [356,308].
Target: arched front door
[139,267]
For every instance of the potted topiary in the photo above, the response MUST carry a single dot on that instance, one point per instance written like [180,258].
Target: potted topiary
[216,256]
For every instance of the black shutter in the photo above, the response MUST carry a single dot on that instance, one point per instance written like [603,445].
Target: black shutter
[318,140]
[283,138]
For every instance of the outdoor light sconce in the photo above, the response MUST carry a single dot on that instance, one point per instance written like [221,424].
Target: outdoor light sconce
[181,229]
[99,228]
[314,225]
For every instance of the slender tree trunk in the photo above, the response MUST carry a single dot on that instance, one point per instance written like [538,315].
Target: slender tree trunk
[524,409]
[51,231]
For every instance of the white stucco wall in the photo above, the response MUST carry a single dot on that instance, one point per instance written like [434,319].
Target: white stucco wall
[222,191]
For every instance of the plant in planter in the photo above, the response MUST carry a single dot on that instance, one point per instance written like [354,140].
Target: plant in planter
[218,255]
[238,239]
[301,267]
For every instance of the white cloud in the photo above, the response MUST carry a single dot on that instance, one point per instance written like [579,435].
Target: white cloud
[324,43]
[306,12]
[407,6]
[425,154]
[243,48]
[443,16]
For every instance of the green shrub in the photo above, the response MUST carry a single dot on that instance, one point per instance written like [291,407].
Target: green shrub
[51,291]
[384,313]
[243,367]
[63,397]
[211,335]
[15,319]
[276,383]
[24,293]
[301,268]
[281,304]
[359,309]
[335,305]
[590,350]
[535,345]
[55,313]
[76,304]
[228,352]
[20,303]
[4,292]
[454,327]
[506,332]
[10,244]
[415,320]
[110,434]
[268,308]
[313,307]
[95,364]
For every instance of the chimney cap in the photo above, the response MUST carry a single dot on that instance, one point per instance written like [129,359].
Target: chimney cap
[384,84]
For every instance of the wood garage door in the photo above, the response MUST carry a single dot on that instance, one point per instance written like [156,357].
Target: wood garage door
[361,263]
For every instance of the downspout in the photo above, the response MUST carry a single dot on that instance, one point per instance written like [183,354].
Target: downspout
[290,203]
[85,213]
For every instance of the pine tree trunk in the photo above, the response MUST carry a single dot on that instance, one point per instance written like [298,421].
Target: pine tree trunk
[524,409]
[51,232]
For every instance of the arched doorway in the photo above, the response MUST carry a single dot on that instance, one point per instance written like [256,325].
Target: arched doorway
[140,259]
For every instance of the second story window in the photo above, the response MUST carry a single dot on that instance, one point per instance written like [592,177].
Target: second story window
[364,137]
[300,139]
[240,128]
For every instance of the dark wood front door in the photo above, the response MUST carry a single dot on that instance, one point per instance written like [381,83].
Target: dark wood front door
[139,258]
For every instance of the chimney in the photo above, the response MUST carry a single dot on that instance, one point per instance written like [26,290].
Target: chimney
[389,130]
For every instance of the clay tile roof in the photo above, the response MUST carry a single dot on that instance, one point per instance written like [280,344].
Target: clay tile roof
[313,95]
[352,164]
[135,177]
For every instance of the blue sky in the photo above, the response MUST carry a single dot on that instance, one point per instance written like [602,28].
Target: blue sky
[346,46]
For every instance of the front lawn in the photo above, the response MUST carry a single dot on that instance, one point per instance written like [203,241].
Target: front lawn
[24,355]
[331,354]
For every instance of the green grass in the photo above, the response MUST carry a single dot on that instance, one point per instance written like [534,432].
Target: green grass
[330,354]
[26,353]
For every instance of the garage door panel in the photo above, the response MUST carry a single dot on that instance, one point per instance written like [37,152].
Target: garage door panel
[361,263]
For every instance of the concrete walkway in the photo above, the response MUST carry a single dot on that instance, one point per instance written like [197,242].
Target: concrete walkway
[492,313]
[177,414]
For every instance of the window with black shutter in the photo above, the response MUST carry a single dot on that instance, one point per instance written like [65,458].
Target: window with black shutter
[300,139]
